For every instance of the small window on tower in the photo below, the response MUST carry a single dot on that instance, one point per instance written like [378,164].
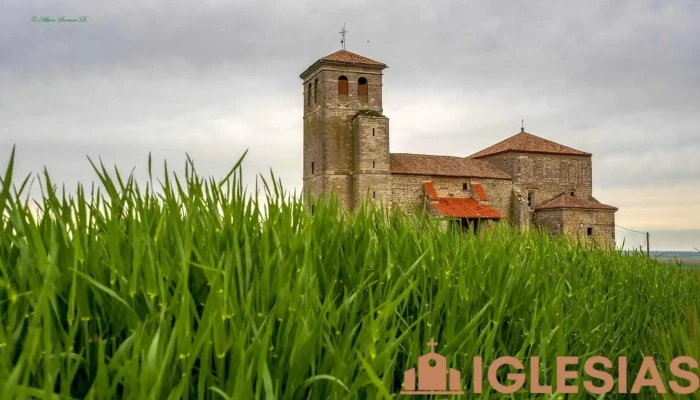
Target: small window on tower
[312,209]
[374,194]
[308,98]
[572,193]
[342,86]
[312,167]
[465,186]
[589,231]
[530,198]
[362,90]
[316,91]
[373,164]
[372,131]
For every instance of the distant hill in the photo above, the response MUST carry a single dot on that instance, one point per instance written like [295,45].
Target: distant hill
[686,257]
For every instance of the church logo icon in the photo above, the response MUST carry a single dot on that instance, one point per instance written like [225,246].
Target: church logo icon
[432,375]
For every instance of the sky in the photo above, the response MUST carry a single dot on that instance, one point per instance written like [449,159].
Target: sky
[213,79]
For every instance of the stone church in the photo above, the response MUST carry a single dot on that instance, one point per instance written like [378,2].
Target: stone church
[524,179]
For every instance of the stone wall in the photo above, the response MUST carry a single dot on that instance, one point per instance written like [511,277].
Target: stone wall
[546,175]
[550,219]
[408,190]
[324,185]
[602,223]
[576,223]
[371,173]
[520,212]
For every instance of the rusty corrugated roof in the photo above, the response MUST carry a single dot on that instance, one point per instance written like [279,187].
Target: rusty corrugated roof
[479,190]
[464,208]
[430,190]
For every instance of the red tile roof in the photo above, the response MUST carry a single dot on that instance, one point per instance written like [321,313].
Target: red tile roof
[422,164]
[479,190]
[524,142]
[565,200]
[430,190]
[464,208]
[345,57]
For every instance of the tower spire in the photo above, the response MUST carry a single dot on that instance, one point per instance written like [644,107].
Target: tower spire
[342,35]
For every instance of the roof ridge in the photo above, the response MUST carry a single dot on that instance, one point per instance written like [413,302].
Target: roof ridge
[344,57]
[344,52]
[496,144]
[428,155]
[562,200]
[526,142]
[550,141]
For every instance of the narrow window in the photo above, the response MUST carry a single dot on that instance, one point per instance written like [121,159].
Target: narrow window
[308,98]
[530,198]
[465,186]
[342,86]
[372,131]
[312,209]
[572,193]
[589,231]
[372,164]
[312,167]
[374,194]
[362,90]
[316,91]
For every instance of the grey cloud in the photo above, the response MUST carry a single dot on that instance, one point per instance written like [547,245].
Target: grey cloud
[618,79]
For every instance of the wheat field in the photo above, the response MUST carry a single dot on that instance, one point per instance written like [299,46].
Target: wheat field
[189,287]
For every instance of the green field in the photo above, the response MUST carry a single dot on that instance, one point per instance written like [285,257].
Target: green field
[198,291]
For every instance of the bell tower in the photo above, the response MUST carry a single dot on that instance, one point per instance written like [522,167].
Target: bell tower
[346,135]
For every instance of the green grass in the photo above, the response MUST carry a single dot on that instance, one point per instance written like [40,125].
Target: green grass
[199,291]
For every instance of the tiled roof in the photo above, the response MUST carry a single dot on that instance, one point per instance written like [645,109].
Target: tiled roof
[565,200]
[524,142]
[464,208]
[345,57]
[421,164]
[479,190]
[430,190]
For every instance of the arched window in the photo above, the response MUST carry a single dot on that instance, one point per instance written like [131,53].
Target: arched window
[343,85]
[316,91]
[308,98]
[362,89]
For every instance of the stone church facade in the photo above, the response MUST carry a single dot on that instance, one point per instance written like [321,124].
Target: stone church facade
[525,180]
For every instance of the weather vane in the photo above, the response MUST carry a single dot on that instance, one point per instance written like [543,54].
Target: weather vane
[522,125]
[342,35]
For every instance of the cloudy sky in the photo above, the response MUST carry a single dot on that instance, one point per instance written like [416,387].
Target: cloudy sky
[212,79]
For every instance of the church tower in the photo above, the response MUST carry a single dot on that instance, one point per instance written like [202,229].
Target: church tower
[346,136]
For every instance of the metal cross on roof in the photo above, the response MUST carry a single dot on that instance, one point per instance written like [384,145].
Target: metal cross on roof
[342,35]
[522,125]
